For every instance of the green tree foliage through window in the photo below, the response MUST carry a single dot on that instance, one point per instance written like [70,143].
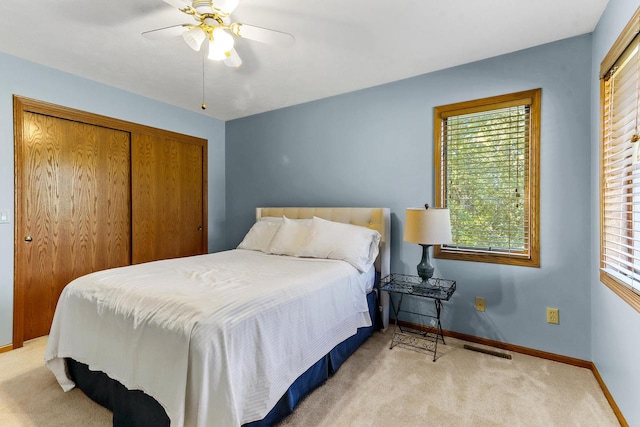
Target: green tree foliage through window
[486,178]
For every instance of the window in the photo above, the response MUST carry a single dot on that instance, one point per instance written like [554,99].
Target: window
[487,174]
[620,166]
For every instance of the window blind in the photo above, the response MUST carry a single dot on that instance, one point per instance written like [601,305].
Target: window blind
[620,198]
[485,160]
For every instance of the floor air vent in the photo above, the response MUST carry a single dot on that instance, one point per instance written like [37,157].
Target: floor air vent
[487,351]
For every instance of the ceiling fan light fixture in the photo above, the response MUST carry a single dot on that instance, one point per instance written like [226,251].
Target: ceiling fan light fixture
[194,38]
[223,40]
[213,23]
[215,52]
[233,59]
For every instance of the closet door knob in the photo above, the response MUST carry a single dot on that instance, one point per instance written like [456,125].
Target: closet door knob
[199,228]
[28,239]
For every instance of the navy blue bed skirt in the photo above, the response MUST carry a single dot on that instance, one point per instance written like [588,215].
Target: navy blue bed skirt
[134,408]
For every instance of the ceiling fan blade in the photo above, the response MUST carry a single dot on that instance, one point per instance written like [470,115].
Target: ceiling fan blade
[233,59]
[163,33]
[263,35]
[225,6]
[178,3]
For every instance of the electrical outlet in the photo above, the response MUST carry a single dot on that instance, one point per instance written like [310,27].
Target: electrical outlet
[479,303]
[553,315]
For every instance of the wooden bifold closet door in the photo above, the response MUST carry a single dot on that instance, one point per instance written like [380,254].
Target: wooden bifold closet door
[166,192]
[94,193]
[74,209]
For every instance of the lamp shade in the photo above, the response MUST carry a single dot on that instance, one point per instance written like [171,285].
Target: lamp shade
[427,226]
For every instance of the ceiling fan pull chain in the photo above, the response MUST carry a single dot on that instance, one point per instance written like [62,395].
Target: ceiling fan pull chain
[203,106]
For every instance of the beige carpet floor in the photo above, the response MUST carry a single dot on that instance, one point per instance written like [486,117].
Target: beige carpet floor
[375,387]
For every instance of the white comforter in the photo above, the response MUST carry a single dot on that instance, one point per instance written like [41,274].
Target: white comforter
[216,339]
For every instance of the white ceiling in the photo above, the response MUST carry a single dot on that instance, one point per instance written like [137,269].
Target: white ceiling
[341,45]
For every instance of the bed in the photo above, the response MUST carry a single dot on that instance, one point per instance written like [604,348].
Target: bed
[233,338]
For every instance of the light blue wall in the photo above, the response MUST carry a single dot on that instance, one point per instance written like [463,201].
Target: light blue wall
[615,326]
[375,148]
[34,81]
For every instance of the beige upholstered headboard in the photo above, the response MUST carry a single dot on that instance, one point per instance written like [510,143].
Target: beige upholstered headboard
[378,219]
[375,218]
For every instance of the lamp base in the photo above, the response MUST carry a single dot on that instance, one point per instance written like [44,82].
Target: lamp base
[425,269]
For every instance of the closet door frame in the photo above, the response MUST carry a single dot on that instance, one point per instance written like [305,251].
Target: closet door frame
[22,105]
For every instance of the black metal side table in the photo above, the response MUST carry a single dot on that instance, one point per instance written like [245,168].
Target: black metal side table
[405,285]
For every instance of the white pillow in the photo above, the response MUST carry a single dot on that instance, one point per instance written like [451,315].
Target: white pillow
[277,219]
[290,237]
[334,240]
[260,236]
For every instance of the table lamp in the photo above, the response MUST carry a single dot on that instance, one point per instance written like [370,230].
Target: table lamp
[426,227]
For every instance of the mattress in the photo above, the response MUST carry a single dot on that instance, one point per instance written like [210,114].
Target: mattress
[196,319]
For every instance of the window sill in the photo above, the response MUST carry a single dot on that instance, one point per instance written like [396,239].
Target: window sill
[621,290]
[524,261]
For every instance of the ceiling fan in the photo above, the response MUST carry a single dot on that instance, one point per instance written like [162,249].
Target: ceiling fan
[213,23]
